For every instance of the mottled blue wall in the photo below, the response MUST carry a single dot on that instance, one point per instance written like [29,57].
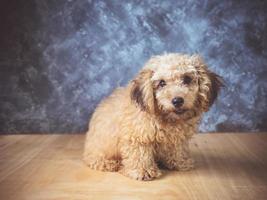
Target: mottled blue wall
[59,58]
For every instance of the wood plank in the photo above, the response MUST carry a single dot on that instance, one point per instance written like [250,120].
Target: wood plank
[228,166]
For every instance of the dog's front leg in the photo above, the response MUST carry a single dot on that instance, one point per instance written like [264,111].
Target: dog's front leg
[138,162]
[186,162]
[178,157]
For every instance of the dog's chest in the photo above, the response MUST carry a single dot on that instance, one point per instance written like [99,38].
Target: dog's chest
[174,134]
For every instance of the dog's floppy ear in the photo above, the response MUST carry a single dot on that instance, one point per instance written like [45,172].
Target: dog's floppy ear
[209,85]
[216,82]
[142,91]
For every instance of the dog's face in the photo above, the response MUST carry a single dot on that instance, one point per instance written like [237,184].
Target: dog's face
[175,89]
[175,86]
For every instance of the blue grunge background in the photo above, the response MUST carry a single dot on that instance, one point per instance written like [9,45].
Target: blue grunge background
[59,58]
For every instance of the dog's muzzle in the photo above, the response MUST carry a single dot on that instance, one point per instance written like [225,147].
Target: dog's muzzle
[180,111]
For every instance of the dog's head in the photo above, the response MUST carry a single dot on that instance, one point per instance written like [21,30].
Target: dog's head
[175,86]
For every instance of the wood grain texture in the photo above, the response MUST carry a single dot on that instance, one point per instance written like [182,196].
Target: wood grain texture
[228,166]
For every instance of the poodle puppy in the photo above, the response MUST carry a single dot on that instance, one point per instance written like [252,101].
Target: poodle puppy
[149,122]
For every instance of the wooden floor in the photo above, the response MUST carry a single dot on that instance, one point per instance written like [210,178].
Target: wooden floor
[228,166]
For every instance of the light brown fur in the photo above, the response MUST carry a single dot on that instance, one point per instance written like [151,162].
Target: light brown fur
[137,128]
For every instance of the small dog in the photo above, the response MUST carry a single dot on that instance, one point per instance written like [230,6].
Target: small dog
[149,122]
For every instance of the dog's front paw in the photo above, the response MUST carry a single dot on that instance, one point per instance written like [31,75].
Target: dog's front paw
[186,165]
[141,174]
[180,165]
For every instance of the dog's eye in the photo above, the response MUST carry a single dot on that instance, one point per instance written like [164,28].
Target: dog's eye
[162,83]
[187,80]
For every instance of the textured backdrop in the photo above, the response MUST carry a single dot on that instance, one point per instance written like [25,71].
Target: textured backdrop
[58,58]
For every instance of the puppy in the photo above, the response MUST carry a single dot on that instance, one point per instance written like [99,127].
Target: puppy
[149,122]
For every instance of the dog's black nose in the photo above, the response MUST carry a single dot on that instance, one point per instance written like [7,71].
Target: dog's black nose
[178,101]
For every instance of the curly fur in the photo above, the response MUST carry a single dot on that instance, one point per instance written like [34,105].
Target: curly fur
[137,129]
